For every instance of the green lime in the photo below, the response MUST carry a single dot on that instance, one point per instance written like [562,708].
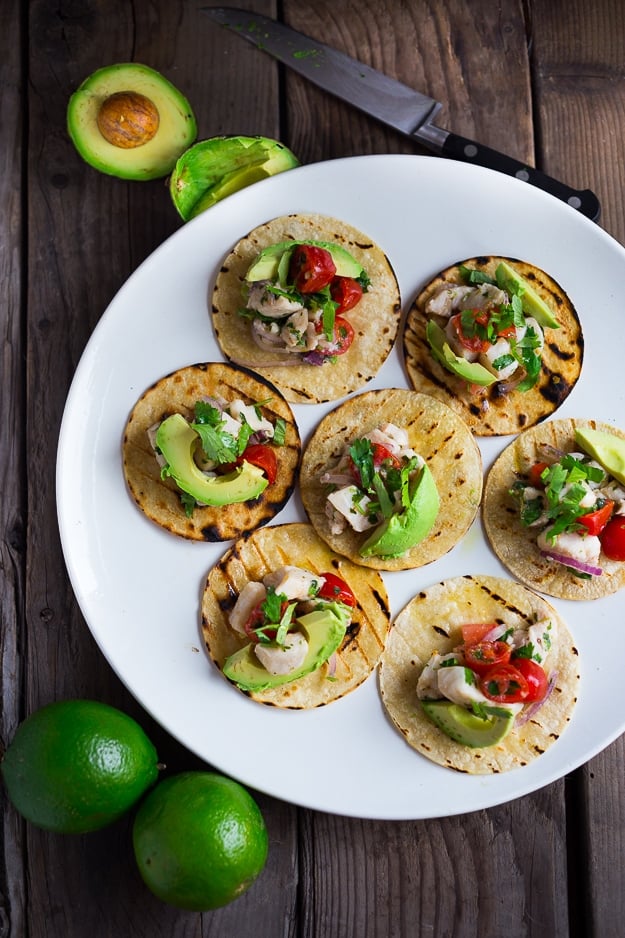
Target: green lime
[77,765]
[200,840]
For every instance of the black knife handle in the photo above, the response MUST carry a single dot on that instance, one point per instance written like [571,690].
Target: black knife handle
[461,148]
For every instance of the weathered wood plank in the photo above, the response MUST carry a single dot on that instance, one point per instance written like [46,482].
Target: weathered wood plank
[436,877]
[476,65]
[12,455]
[87,232]
[581,95]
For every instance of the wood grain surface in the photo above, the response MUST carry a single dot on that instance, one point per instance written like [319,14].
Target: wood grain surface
[541,80]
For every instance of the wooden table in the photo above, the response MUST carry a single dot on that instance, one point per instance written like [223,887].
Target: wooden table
[540,80]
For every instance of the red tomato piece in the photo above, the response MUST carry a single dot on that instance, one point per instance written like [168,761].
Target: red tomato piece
[595,521]
[474,632]
[483,656]
[379,454]
[474,343]
[342,338]
[504,684]
[613,538]
[535,676]
[535,474]
[345,291]
[262,456]
[255,621]
[337,589]
[311,268]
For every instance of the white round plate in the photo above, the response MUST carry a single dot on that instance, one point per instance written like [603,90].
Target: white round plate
[139,587]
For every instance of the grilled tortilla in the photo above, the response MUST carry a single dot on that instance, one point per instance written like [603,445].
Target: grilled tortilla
[515,544]
[435,432]
[497,411]
[159,498]
[264,551]
[432,622]
[375,319]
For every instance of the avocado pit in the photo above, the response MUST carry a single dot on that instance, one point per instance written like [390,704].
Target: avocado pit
[128,119]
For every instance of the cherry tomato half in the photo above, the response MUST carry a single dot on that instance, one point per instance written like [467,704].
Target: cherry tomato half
[258,454]
[345,291]
[595,521]
[504,684]
[535,676]
[342,338]
[613,538]
[311,268]
[337,589]
[483,656]
[474,632]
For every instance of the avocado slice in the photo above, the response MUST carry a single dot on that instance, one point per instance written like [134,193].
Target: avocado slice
[117,97]
[533,305]
[402,531]
[324,630]
[273,261]
[215,168]
[606,448]
[472,372]
[177,441]
[465,727]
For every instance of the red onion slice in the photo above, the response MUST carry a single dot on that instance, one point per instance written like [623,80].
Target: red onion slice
[571,562]
[534,707]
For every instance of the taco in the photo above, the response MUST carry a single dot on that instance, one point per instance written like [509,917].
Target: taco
[211,451]
[554,508]
[391,479]
[309,302]
[498,340]
[479,674]
[290,623]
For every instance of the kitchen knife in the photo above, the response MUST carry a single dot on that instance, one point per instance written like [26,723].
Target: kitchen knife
[385,99]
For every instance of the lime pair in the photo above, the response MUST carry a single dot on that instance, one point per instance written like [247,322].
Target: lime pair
[75,766]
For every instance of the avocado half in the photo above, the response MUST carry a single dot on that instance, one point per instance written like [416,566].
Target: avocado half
[129,121]
[214,168]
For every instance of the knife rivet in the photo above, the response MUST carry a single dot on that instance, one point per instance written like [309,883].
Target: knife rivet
[522,174]
[470,150]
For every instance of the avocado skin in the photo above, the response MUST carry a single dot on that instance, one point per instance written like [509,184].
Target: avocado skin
[155,159]
[270,260]
[324,630]
[606,448]
[465,727]
[214,168]
[177,441]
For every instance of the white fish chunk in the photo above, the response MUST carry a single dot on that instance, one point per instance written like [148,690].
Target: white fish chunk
[343,501]
[250,596]
[583,547]
[282,659]
[241,411]
[294,582]
[270,304]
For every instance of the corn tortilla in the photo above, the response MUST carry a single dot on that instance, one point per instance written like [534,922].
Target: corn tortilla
[492,411]
[264,551]
[435,432]
[431,622]
[159,499]
[375,319]
[515,544]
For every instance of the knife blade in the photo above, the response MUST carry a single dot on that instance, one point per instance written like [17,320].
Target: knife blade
[386,100]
